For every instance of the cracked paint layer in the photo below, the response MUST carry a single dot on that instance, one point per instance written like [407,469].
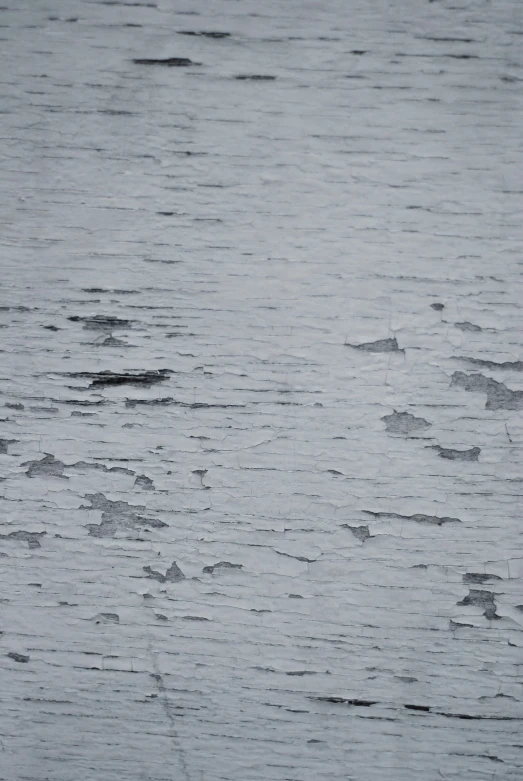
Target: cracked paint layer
[498,395]
[380,346]
[472,454]
[404,423]
[261,391]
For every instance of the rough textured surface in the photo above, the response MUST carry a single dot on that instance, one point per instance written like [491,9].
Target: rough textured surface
[234,548]
[380,346]
[466,326]
[498,395]
[457,455]
[404,423]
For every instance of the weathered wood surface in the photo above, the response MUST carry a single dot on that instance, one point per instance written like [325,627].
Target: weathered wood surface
[261,389]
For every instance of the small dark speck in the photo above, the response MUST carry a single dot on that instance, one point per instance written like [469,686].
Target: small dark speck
[360,532]
[466,326]
[169,62]
[204,34]
[438,307]
[18,657]
[254,77]
[389,345]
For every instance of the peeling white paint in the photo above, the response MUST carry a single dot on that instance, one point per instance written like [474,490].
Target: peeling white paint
[261,382]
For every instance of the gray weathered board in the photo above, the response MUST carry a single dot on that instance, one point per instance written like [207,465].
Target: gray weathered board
[261,390]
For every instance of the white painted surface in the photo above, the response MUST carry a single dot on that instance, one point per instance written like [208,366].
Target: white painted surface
[248,232]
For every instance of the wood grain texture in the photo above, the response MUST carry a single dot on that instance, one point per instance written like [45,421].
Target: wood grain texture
[261,390]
